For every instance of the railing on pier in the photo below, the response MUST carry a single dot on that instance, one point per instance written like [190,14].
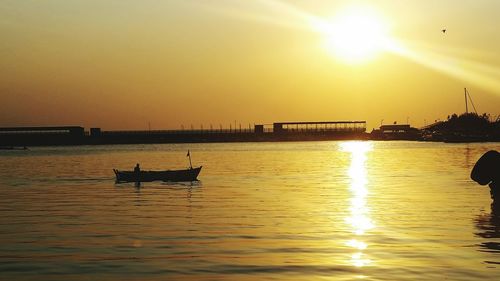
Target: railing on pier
[328,126]
[277,128]
[181,132]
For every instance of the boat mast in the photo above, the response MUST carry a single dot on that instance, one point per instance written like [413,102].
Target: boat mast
[465,94]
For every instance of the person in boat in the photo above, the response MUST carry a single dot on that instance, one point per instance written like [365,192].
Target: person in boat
[487,171]
[137,170]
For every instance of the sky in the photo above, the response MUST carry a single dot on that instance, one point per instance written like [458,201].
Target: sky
[166,64]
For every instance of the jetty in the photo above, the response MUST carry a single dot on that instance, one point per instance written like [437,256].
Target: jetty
[278,131]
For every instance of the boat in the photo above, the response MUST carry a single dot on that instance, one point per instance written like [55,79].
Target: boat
[137,175]
[190,174]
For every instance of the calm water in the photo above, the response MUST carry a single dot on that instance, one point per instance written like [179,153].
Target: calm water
[264,211]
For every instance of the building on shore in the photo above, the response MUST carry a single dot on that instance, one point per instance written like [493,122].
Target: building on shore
[29,136]
[396,132]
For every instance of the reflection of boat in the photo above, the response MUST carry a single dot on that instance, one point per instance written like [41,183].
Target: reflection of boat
[190,174]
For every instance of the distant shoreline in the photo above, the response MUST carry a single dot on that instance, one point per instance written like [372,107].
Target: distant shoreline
[465,128]
[236,138]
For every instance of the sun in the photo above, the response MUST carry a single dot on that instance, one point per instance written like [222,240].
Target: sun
[356,34]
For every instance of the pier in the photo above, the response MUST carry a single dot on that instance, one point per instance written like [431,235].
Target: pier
[280,131]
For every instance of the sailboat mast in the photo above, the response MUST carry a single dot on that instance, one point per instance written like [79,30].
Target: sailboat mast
[465,94]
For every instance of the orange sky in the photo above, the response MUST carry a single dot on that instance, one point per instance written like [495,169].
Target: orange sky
[124,64]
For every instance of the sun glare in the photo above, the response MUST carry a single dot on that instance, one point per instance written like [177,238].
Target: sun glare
[356,34]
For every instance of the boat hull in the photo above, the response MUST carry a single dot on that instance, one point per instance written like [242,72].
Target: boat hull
[148,176]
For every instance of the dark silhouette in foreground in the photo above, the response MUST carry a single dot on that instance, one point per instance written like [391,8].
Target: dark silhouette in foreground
[487,171]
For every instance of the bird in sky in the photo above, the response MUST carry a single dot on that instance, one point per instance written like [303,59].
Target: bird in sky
[443,30]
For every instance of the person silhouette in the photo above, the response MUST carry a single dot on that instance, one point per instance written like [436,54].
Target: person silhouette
[137,170]
[487,171]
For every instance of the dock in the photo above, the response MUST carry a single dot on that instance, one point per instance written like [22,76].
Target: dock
[279,131]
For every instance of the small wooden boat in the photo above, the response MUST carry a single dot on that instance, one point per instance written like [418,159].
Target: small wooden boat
[190,174]
[137,175]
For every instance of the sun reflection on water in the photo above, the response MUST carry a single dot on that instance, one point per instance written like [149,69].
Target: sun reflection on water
[359,218]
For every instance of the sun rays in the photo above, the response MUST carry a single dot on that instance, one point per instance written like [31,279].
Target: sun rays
[450,63]
[357,34]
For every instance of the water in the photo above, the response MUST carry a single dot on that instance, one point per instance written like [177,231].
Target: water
[262,211]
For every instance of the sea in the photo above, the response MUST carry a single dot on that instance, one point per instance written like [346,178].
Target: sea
[331,210]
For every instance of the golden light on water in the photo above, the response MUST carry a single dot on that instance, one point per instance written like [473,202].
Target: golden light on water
[359,261]
[359,219]
[356,244]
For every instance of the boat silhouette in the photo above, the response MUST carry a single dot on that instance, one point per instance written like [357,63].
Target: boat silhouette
[190,174]
[137,175]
